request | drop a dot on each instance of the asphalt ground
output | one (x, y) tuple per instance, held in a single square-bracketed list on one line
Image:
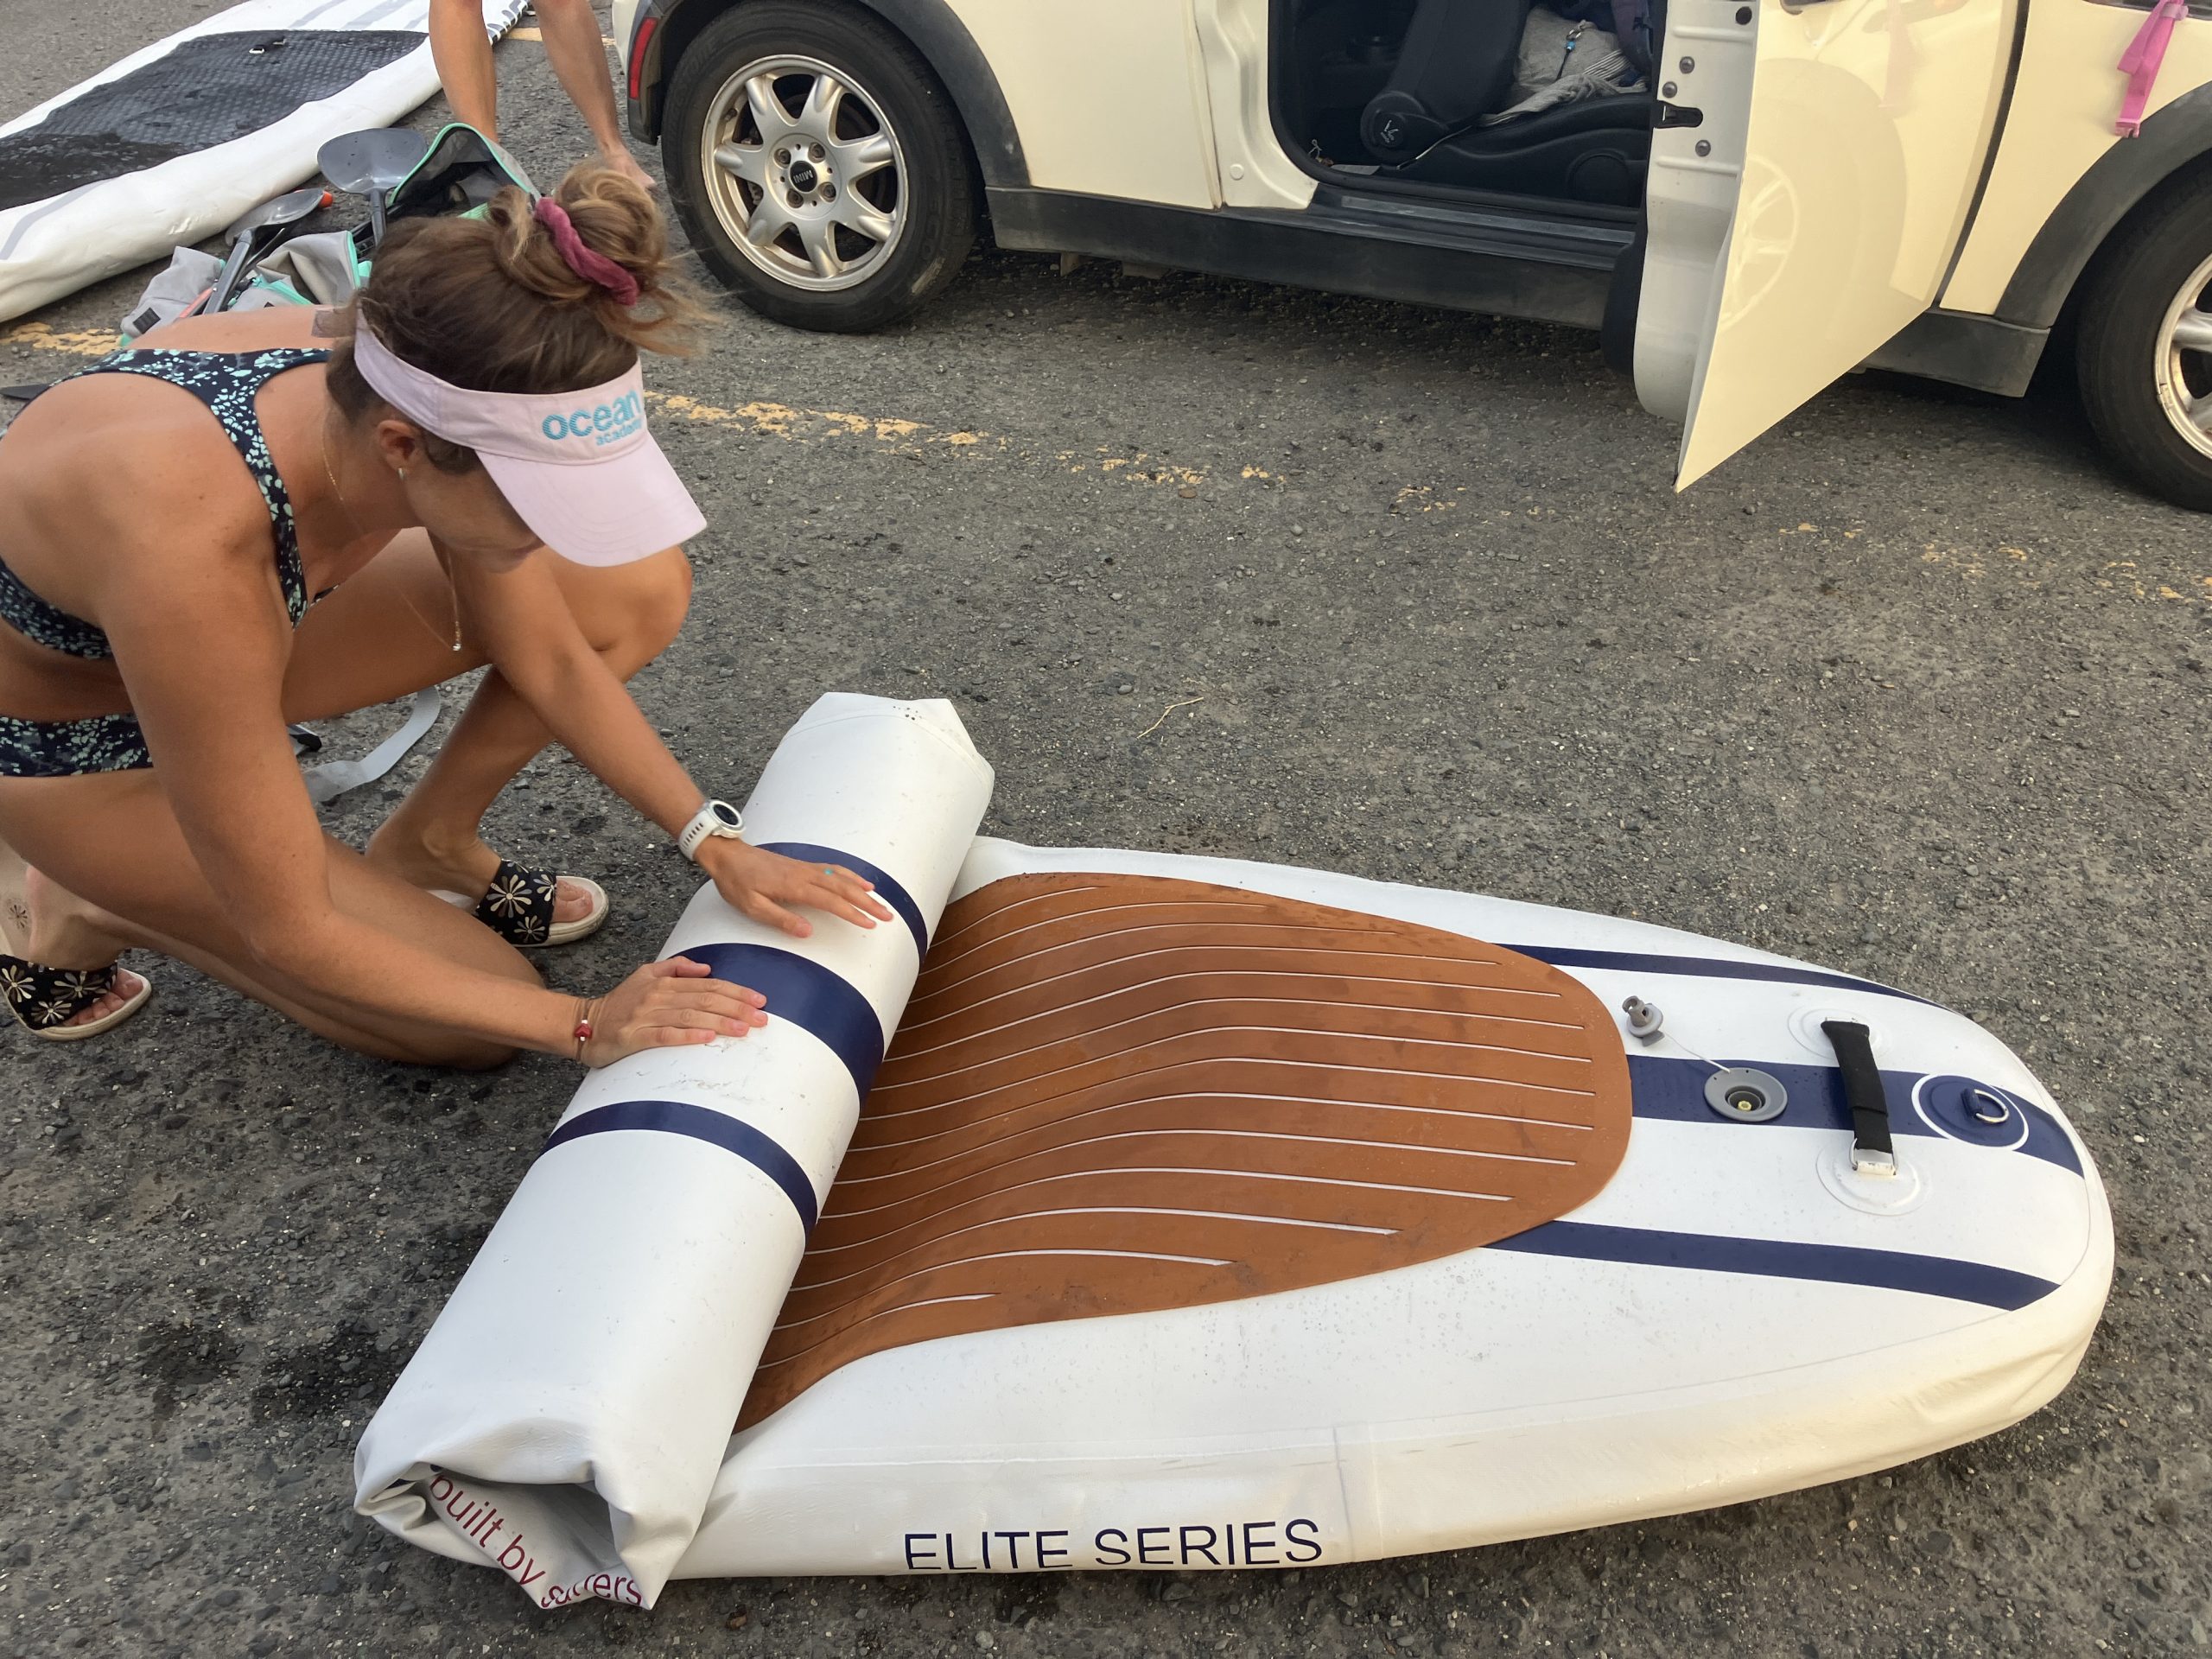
[(1914, 688)]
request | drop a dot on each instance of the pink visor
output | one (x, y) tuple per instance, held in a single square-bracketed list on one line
[(579, 466)]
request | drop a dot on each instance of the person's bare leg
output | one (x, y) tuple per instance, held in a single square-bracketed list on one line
[(109, 869), (632, 614), (578, 54), (57, 935), (379, 637), (94, 865), (433, 837), (363, 1034), (463, 51)]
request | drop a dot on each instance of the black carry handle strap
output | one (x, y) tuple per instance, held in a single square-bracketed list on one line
[(1871, 1151)]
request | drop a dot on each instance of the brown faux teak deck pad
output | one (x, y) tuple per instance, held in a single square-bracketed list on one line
[(1115, 1094)]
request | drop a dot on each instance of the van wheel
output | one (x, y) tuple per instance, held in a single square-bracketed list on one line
[(2143, 357), (818, 165)]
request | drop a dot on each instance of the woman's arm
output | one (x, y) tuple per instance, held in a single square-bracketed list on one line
[(202, 645), (522, 619)]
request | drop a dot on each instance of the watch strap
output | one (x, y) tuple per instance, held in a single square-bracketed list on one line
[(707, 822)]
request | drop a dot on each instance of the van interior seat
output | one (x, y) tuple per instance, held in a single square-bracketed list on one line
[(1456, 64)]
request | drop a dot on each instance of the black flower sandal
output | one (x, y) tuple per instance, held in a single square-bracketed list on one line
[(44, 999), (518, 907)]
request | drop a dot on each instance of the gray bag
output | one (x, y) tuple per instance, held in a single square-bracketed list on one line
[(188, 274), (319, 269), (1563, 62)]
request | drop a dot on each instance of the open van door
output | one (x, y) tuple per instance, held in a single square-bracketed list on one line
[(1813, 170)]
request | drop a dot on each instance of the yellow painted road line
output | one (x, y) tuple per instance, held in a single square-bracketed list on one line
[(538, 35), (762, 418), (917, 439), (89, 342), (772, 420)]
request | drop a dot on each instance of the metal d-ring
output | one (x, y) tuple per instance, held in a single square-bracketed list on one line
[(1988, 1106)]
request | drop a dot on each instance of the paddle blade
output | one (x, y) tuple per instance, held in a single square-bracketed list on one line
[(285, 210), (371, 162)]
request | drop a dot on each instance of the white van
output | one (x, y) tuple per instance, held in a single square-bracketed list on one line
[(1793, 188)]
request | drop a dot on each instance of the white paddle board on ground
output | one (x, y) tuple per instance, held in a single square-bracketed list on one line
[(175, 142), (1120, 1211)]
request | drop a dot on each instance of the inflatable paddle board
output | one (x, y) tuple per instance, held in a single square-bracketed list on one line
[(177, 140), (1115, 1209)]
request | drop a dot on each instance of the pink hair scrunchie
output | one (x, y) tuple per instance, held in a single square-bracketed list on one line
[(619, 284)]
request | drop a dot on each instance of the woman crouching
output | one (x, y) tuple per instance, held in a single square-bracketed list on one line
[(233, 528)]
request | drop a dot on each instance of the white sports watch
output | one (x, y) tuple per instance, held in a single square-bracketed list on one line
[(714, 820)]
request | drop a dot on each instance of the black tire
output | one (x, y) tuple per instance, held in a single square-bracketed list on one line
[(2117, 352), (935, 181)]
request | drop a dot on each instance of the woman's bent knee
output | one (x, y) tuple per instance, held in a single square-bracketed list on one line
[(664, 598), (478, 1057), (633, 613), (450, 1054)]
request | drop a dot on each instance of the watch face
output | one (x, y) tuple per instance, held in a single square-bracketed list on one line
[(725, 814)]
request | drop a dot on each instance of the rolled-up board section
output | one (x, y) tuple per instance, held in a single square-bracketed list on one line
[(565, 1417)]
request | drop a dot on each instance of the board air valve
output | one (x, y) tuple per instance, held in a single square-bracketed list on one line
[(1743, 1096)]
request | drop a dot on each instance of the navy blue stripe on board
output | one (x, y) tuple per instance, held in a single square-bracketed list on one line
[(674, 1117), (1774, 1258), (1636, 962), (808, 994), (887, 886), (1664, 1086)]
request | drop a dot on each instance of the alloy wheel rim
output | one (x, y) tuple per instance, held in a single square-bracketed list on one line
[(2184, 360), (805, 172)]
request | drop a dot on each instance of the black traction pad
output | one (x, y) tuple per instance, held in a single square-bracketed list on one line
[(210, 89)]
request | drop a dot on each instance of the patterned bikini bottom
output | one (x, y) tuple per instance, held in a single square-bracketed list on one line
[(71, 748)]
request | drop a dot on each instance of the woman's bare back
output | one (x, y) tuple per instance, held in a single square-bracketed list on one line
[(160, 493)]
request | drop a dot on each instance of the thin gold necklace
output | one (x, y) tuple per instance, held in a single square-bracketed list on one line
[(337, 490)]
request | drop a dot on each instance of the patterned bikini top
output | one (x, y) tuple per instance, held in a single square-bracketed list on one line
[(227, 382)]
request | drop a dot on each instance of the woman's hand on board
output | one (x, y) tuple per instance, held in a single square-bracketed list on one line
[(670, 1004), (766, 885)]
